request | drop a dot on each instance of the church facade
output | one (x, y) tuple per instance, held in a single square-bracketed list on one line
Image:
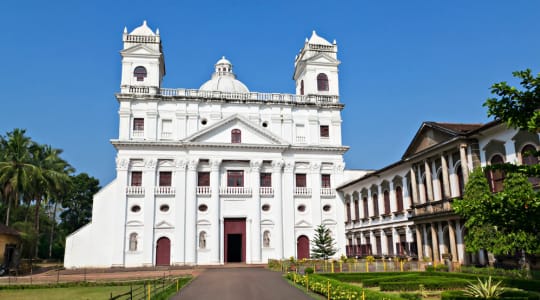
[(217, 174)]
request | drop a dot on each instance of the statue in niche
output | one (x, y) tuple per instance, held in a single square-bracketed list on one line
[(202, 240), (266, 239)]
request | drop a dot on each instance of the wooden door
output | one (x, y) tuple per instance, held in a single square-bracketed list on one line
[(302, 247), (163, 252)]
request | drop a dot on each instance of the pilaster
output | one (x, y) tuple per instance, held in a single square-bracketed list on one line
[(148, 182), (277, 166), (288, 211), (256, 209), (191, 212), (179, 182), (215, 210)]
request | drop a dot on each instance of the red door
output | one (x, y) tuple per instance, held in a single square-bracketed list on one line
[(163, 252), (302, 247), (235, 240)]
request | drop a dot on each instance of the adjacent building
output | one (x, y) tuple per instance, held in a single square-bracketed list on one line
[(405, 209)]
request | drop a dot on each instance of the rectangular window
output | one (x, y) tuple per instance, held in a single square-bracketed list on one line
[(266, 179), (301, 180), (366, 209), (325, 131), (165, 178), (356, 210), (203, 179), (235, 178), (136, 178), (138, 124), (325, 180), (300, 133)]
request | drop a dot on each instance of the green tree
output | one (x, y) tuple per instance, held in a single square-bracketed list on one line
[(503, 222), (78, 202), (323, 243), (518, 108), (16, 168)]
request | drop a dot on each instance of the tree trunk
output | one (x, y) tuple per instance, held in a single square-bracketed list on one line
[(8, 211), (36, 224), (51, 236)]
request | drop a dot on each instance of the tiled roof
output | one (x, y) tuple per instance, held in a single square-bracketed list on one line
[(7, 230), (459, 127)]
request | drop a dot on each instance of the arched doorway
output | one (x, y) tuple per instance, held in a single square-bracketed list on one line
[(163, 252), (302, 247)]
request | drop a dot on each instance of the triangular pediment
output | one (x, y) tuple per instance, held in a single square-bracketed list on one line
[(303, 223), (428, 136), (139, 49), (323, 58), (220, 133), (164, 224)]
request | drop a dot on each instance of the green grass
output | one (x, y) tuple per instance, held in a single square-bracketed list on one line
[(68, 293)]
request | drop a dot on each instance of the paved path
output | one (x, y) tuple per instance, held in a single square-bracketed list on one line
[(240, 284)]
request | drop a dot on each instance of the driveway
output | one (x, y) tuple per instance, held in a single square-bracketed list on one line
[(240, 283)]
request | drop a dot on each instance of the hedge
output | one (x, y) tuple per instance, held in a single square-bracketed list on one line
[(508, 295), (338, 290), (429, 284)]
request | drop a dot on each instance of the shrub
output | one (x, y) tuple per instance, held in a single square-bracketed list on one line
[(484, 289), (308, 270), (428, 283), (411, 296)]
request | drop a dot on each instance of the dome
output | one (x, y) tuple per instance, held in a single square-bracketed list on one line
[(143, 30), (317, 40), (224, 80)]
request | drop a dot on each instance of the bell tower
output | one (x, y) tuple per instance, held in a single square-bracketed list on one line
[(143, 64), (316, 68)]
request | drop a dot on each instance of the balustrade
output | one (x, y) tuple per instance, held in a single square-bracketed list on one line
[(302, 191), (135, 190), (164, 190), (235, 191), (204, 190), (266, 191), (328, 192)]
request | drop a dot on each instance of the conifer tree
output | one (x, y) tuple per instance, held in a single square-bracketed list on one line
[(323, 243)]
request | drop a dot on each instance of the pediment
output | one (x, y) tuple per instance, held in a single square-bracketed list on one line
[(303, 223), (134, 223), (323, 58), (164, 224), (267, 222), (220, 133), (426, 137), (203, 222), (329, 222), (139, 49)]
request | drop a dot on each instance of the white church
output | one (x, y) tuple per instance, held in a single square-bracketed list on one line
[(218, 174)]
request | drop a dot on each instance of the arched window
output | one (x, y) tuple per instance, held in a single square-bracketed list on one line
[(301, 87), (399, 199), (236, 136), (202, 240), (133, 242), (441, 184), (386, 196), (366, 208), (461, 180), (375, 205), (496, 177), (322, 82), (348, 210), (528, 158), (140, 73), (266, 239)]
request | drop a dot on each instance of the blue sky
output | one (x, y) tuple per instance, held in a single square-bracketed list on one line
[(403, 62)]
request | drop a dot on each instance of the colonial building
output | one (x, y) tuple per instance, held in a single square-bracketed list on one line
[(217, 174), (406, 207)]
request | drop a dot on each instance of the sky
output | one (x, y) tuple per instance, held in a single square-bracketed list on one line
[(402, 63)]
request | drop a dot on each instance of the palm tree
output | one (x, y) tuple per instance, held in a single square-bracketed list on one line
[(16, 167), (51, 178)]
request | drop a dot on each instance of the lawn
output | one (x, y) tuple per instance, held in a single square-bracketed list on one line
[(71, 293)]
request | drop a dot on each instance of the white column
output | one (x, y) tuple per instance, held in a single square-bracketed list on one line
[(124, 127), (446, 182), (453, 246), (316, 212), (454, 184), (437, 193), (179, 183), (429, 181), (371, 210), (384, 243), (150, 124), (120, 236), (464, 163), (288, 211), (191, 213), (460, 243), (421, 187), (427, 246), (214, 212), (373, 242), (434, 244), (148, 182), (277, 166), (442, 246), (414, 187), (256, 208), (392, 192), (395, 240), (407, 201), (420, 241)]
